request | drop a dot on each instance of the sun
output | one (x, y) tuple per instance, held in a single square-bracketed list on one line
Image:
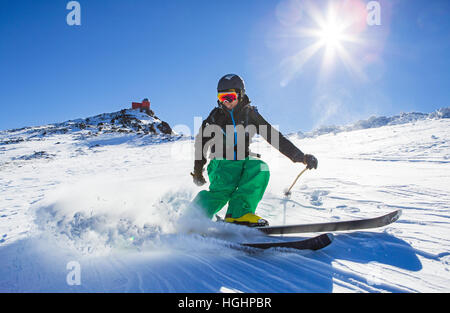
[(331, 33)]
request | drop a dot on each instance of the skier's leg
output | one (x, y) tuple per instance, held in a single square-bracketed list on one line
[(224, 177), (253, 183)]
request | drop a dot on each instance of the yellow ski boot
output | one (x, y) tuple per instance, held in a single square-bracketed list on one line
[(249, 219)]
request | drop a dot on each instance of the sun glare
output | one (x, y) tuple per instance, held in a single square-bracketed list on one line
[(330, 36), (332, 33)]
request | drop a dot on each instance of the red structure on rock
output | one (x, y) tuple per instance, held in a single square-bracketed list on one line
[(145, 104)]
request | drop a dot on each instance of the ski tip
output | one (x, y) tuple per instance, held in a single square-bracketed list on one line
[(396, 216)]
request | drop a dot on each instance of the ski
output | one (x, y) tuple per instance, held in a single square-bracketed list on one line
[(333, 226), (315, 243)]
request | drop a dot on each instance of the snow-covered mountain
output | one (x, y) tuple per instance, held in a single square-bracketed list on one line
[(126, 121), (110, 194), (378, 121), (104, 129)]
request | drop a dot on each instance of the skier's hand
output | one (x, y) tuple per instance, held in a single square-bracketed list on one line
[(198, 178), (310, 161)]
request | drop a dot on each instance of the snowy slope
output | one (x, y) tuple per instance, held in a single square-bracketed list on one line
[(115, 203)]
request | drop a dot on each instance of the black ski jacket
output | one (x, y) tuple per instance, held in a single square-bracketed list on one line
[(229, 133)]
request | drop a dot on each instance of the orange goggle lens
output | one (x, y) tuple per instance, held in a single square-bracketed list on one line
[(227, 96)]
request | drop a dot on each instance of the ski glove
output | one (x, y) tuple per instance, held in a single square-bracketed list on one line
[(198, 178), (310, 161)]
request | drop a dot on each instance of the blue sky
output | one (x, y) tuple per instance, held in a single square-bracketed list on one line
[(174, 52)]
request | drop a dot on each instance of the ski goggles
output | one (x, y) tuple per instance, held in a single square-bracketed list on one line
[(229, 96)]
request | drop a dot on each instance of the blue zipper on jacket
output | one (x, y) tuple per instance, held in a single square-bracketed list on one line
[(235, 133)]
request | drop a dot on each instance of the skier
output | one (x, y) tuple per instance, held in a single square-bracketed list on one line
[(237, 176)]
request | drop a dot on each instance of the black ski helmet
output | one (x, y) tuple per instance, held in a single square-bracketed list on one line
[(231, 81)]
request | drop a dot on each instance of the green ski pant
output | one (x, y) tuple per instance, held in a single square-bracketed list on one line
[(240, 183)]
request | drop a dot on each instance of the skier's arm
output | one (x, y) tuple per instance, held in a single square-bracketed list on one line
[(200, 159), (200, 145), (270, 134)]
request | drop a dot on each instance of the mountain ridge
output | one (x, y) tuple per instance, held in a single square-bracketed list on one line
[(375, 122), (124, 121)]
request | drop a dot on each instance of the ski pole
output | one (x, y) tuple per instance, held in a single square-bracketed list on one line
[(288, 192)]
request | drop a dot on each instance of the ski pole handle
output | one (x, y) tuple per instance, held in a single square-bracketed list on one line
[(287, 193)]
